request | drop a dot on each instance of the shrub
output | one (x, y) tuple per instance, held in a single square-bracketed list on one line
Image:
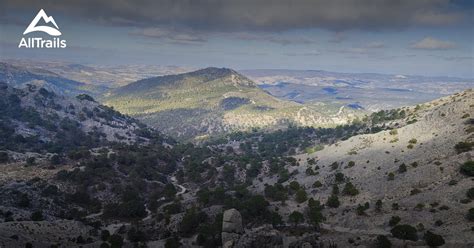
[(470, 214), (4, 157), (402, 168), (383, 242), (405, 232), (390, 176), (301, 196), (116, 240), (350, 189), (333, 201), (433, 240), (37, 216), (393, 132), (412, 141), (296, 217), (468, 168), (294, 186), (317, 184), (351, 164), (339, 177), (463, 147), (470, 193), (378, 205), (394, 220)]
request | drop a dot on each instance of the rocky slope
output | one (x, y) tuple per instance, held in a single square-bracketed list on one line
[(20, 76), (413, 169), (214, 101)]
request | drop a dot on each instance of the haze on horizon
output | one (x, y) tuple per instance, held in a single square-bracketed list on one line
[(416, 37)]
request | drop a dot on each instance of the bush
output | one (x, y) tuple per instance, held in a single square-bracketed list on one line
[(463, 147), (301, 196), (412, 141), (296, 217), (470, 193), (339, 177), (383, 242), (433, 240), (405, 232), (350, 189), (390, 176), (468, 168), (317, 184), (4, 157), (333, 201), (37, 216), (116, 240), (402, 168), (470, 214), (394, 220)]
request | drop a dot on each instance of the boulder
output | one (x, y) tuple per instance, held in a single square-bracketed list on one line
[(232, 221)]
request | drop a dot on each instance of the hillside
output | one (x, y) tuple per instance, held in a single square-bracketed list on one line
[(215, 101), (35, 119), (20, 76), (76, 173), (413, 169)]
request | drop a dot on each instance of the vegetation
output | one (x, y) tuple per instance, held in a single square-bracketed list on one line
[(405, 232), (468, 168), (433, 240)]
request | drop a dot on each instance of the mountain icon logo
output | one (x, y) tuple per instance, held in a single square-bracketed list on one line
[(47, 29)]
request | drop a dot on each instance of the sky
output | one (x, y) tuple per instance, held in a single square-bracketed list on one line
[(416, 37)]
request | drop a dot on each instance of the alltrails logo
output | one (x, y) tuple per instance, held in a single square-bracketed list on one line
[(39, 42)]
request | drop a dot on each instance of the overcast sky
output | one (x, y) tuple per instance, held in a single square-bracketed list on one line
[(423, 37)]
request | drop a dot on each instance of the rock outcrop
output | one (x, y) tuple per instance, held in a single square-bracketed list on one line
[(231, 227)]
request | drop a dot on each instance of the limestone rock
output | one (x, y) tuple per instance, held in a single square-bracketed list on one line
[(232, 221)]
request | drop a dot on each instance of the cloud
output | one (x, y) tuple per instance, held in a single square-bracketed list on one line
[(338, 37), (269, 15), (170, 35), (375, 45), (290, 40), (310, 54), (430, 43)]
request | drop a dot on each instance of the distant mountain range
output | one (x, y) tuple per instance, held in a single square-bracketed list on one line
[(372, 91)]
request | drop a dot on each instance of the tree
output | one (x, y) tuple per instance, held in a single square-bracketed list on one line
[(470, 193), (301, 196), (4, 157), (394, 220), (339, 177), (315, 215), (378, 205), (405, 232), (116, 241), (383, 242), (172, 242), (296, 217), (333, 201), (468, 168), (294, 185), (470, 214), (37, 216), (433, 240), (402, 168), (350, 189)]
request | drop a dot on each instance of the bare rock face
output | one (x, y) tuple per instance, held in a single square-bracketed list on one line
[(232, 221), (231, 227)]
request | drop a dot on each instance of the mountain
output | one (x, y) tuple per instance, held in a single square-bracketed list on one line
[(34, 119), (214, 101), (371, 91), (76, 173), (19, 76)]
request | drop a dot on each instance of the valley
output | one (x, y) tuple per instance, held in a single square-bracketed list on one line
[(262, 170)]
